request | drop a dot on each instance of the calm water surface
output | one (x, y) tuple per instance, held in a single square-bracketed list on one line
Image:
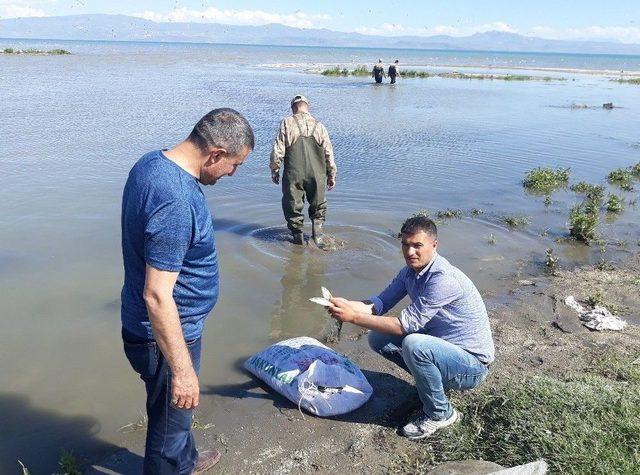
[(71, 127)]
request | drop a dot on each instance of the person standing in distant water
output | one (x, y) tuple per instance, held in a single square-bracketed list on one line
[(394, 71), (378, 72), (304, 147)]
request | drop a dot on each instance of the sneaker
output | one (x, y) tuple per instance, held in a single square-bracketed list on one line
[(206, 460), (422, 426)]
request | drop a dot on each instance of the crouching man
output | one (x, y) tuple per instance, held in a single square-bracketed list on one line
[(442, 338)]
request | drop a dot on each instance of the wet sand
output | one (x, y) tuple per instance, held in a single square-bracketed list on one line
[(261, 432)]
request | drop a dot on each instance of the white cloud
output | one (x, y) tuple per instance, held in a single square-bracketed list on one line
[(15, 10), (394, 29), (296, 19), (624, 34)]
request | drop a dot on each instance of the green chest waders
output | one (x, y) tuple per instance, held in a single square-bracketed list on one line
[(304, 175)]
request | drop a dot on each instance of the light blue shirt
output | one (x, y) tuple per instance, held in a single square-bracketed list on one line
[(444, 304)]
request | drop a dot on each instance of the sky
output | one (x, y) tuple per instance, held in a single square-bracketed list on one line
[(614, 20)]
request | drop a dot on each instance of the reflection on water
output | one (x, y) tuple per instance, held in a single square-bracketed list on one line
[(70, 137), (302, 276)]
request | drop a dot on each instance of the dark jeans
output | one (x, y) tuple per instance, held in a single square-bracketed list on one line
[(170, 447)]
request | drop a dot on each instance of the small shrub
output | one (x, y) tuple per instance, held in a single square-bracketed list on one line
[(614, 204), (546, 180)]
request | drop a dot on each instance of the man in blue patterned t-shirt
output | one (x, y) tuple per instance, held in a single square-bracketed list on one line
[(442, 338), (171, 280)]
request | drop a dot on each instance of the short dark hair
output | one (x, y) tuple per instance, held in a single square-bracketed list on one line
[(415, 224), (225, 128)]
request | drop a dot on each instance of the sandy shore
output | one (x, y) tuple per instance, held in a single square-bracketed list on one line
[(535, 334)]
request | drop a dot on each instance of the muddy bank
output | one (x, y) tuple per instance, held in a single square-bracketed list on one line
[(535, 334)]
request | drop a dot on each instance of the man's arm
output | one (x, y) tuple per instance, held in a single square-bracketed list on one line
[(325, 142), (277, 153), (352, 312), (167, 331)]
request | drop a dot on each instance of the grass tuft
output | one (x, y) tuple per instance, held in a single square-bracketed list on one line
[(586, 423)]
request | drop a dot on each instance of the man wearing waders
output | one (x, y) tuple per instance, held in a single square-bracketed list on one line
[(378, 72), (303, 145), (393, 71)]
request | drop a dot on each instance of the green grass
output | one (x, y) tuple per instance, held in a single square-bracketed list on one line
[(361, 71), (582, 423), (635, 81), (335, 71), (614, 204), (546, 180)]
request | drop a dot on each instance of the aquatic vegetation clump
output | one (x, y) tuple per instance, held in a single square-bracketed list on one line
[(620, 176), (583, 221), (614, 204), (546, 180), (59, 51), (477, 211), (54, 52), (361, 71), (424, 213), (635, 170), (635, 81), (587, 188), (8, 50), (335, 71), (449, 213), (515, 221), (548, 201)]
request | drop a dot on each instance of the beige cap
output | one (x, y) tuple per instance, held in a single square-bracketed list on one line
[(299, 98)]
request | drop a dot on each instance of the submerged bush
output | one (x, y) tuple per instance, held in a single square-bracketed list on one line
[(546, 180)]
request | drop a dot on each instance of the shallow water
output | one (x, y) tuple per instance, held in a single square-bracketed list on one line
[(71, 127)]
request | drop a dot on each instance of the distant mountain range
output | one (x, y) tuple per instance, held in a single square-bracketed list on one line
[(127, 28)]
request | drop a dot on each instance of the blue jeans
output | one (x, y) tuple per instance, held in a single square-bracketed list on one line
[(435, 364), (170, 447)]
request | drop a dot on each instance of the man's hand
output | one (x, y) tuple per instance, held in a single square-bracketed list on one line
[(331, 183), (275, 176), (343, 309), (185, 389)]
